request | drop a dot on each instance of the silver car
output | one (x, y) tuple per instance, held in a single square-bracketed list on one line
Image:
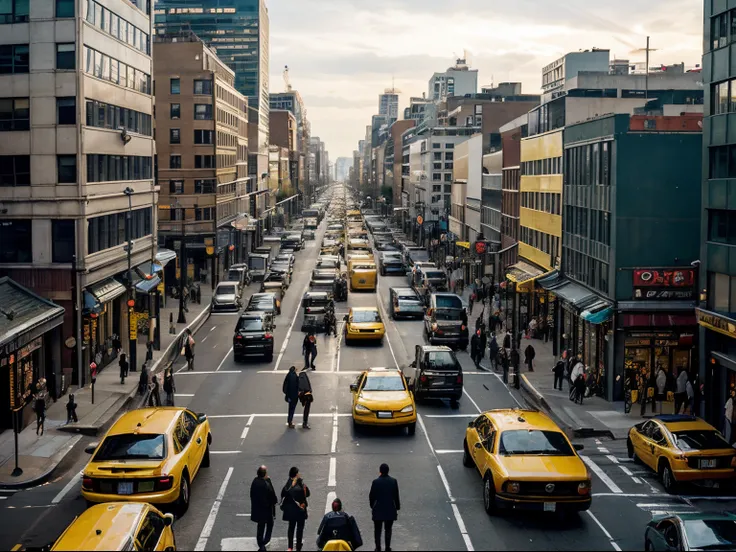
[(226, 297)]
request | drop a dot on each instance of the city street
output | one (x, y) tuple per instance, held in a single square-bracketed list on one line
[(442, 505)]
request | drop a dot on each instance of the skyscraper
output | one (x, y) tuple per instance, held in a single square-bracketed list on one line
[(388, 103)]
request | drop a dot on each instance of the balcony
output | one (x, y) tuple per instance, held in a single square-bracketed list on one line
[(492, 182)]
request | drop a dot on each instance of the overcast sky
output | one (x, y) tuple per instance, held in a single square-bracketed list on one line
[(343, 53)]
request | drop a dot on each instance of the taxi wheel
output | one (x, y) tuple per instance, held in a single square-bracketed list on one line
[(668, 479), (206, 457), (411, 428), (489, 495), (630, 449), (269, 357), (182, 503), (467, 459)]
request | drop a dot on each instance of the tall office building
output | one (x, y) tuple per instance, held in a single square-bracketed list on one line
[(238, 32), (388, 104)]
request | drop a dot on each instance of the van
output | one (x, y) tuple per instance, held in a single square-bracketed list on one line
[(258, 264)]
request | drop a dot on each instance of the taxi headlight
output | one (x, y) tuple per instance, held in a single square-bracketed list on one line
[(407, 409), (361, 408), (584, 488), (513, 487)]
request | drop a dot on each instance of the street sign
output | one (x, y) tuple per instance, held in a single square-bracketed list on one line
[(210, 250), (133, 324), (420, 220), (464, 245)]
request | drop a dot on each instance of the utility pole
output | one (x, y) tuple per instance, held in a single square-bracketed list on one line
[(132, 322)]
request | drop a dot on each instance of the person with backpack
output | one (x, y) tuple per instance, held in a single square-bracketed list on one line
[(338, 525), (294, 504)]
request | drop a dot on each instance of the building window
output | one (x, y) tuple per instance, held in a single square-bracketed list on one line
[(62, 241), (437, 177), (438, 156), (204, 162), (721, 291), (13, 59), (64, 8), (175, 111), (722, 226), (15, 170), (203, 112), (206, 186), (13, 11), (720, 30), (112, 168), (16, 244), (66, 56), (67, 168), (448, 166), (204, 137), (66, 111), (448, 177), (449, 156), (436, 145), (15, 114), (109, 230), (174, 136), (102, 115), (203, 87), (104, 67), (175, 162), (175, 86), (176, 186)]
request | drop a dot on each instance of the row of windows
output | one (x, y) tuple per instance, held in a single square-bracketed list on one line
[(14, 59), (201, 186), (723, 29), (16, 241), (588, 165), (201, 86), (116, 26), (104, 115), (438, 167), (15, 113), (223, 161), (449, 156), (201, 137), (724, 97), (551, 165), (15, 170), (542, 201), (438, 145), (722, 226), (200, 213), (588, 223), (109, 230), (104, 67), (111, 168), (585, 269), (541, 240), (226, 139), (437, 177), (231, 99)]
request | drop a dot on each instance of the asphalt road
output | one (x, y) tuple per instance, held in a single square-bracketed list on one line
[(442, 506)]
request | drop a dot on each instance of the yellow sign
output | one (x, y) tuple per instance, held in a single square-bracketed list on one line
[(160, 287), (717, 323), (133, 321), (210, 250), (464, 245)]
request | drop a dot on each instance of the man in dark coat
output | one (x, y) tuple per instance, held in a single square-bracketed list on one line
[(493, 352), (338, 525), (385, 504), (291, 394), (475, 351), (504, 359), (529, 354), (507, 340), (309, 348), (305, 396), (559, 372), (263, 502)]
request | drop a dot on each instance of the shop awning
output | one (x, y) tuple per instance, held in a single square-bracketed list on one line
[(164, 256), (598, 312), (524, 275), (106, 290), (90, 304), (148, 270), (574, 294), (551, 280), (148, 285), (22, 312)]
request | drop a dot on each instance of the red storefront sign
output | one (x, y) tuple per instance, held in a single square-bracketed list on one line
[(677, 277)]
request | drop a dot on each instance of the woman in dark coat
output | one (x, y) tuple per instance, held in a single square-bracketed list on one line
[(123, 362), (529, 354), (294, 505)]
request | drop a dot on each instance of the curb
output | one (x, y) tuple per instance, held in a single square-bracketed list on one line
[(42, 478)]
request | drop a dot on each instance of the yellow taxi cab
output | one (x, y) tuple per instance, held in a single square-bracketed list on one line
[(381, 397), (363, 275), (364, 323), (682, 448), (526, 462), (149, 455), (359, 256), (119, 526)]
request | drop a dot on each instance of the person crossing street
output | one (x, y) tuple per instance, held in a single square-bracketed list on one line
[(263, 502)]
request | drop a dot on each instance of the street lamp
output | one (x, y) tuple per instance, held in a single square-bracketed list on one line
[(132, 323), (182, 319)]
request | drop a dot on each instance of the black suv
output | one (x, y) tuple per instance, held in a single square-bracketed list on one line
[(446, 321), (264, 302), (253, 336)]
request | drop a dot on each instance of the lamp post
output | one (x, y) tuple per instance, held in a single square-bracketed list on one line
[(132, 322), (182, 319)]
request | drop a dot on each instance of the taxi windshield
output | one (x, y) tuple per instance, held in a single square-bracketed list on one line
[(532, 442), (366, 316), (383, 383), (364, 267), (714, 534), (132, 447), (699, 440)]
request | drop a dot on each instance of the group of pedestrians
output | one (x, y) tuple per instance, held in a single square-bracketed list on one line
[(298, 388), (338, 528)]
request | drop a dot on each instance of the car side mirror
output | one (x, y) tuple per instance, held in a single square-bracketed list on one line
[(168, 520), (478, 445), (578, 447), (201, 417), (353, 387), (471, 424), (91, 448), (345, 318)]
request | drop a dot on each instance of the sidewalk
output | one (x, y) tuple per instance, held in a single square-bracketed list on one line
[(596, 416), (38, 456)]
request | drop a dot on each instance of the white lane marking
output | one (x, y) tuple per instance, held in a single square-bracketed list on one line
[(597, 441), (332, 495), (225, 358), (205, 338), (385, 317), (499, 378), (603, 450), (286, 339), (605, 531), (626, 495), (225, 452), (210, 523), (339, 349), (648, 506), (343, 373), (461, 525), (445, 483), (280, 415), (212, 328), (247, 427), (426, 434), (447, 451), (183, 366), (636, 480), (242, 515), (183, 394), (465, 392), (332, 477), (613, 459), (333, 446), (625, 470), (608, 482), (68, 487), (202, 373), (214, 346)]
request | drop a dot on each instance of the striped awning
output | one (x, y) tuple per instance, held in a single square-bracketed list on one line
[(523, 275)]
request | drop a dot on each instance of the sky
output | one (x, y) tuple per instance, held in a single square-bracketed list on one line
[(343, 53)]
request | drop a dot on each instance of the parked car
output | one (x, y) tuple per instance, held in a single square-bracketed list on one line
[(226, 297), (293, 241), (390, 262), (253, 336)]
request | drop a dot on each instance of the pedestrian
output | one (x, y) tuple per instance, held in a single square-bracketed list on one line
[(728, 411), (291, 394), (681, 390), (385, 505), (305, 396), (690, 398), (507, 340), (39, 407), (650, 386), (169, 387), (475, 348), (155, 398), (493, 352), (533, 327), (116, 345), (471, 300), (529, 354), (338, 525), (578, 382), (309, 350), (505, 365), (661, 385), (189, 348), (294, 504), (559, 371), (263, 502), (185, 294), (71, 410), (483, 343), (123, 362), (143, 380)]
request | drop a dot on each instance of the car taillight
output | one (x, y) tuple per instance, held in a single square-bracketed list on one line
[(268, 336), (439, 331), (462, 327), (584, 488), (238, 337), (87, 483), (164, 482), (459, 378), (309, 310), (423, 379)]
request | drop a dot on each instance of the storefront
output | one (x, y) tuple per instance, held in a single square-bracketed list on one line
[(30, 351), (102, 320), (718, 333)]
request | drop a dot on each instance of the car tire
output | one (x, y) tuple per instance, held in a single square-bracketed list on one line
[(269, 357), (468, 461), (668, 478), (454, 404), (630, 449), (206, 457), (648, 546), (489, 495), (411, 429), (182, 502)]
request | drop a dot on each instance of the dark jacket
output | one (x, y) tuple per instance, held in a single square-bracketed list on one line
[(305, 388), (507, 341), (475, 344), (529, 353), (514, 358), (559, 368), (123, 367), (291, 386), (483, 340), (263, 500), (292, 498), (308, 345), (168, 384), (384, 498), (339, 526), (493, 347)]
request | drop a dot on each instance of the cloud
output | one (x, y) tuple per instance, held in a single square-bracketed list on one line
[(343, 53)]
